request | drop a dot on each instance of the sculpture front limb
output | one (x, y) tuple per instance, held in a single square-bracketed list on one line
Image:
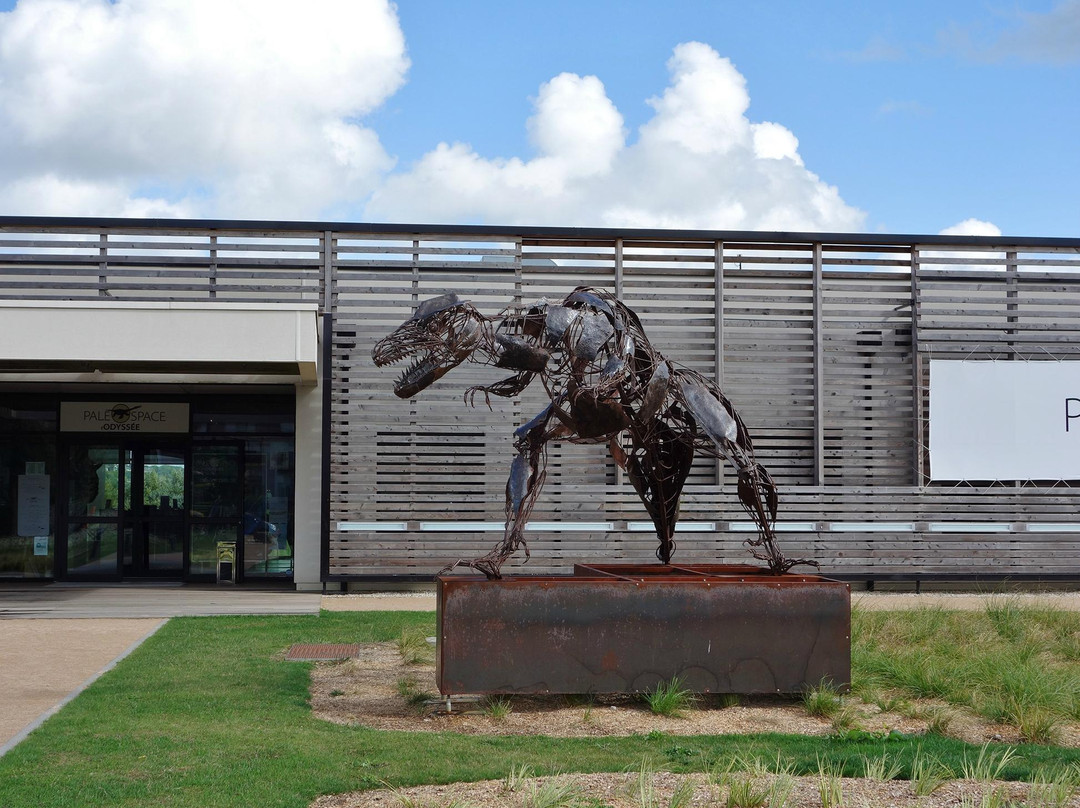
[(527, 475)]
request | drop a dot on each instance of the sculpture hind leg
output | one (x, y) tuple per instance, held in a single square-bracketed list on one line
[(728, 437)]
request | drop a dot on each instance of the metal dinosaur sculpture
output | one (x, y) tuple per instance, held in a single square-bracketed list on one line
[(605, 381)]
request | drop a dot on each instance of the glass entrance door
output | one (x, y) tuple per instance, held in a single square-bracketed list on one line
[(94, 485), (155, 502)]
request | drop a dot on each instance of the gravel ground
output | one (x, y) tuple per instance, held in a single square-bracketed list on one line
[(366, 691), (623, 791)]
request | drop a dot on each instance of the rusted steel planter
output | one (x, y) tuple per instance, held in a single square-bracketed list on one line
[(612, 628)]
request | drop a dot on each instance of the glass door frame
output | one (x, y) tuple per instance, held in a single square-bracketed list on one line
[(65, 518), (122, 519), (137, 519)]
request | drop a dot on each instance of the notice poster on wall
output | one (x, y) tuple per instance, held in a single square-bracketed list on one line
[(1004, 420), (33, 518)]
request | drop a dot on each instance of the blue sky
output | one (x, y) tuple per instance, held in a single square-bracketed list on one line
[(905, 118)]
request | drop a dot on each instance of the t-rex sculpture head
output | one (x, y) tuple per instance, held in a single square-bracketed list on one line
[(441, 334)]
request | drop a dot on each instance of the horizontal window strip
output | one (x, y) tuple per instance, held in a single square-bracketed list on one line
[(472, 527), (712, 527), (970, 527)]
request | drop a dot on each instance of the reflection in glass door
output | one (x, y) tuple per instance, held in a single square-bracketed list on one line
[(94, 482), (154, 505)]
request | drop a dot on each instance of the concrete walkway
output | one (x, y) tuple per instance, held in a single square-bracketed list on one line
[(965, 602), (44, 665), (879, 601), (72, 600)]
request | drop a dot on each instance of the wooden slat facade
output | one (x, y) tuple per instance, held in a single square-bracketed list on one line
[(822, 341)]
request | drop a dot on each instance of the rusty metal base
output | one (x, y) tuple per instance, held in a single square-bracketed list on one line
[(612, 628)]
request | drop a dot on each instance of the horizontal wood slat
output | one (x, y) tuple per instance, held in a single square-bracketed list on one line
[(830, 376)]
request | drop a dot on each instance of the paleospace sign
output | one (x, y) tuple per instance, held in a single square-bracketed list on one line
[(1004, 420), (123, 417)]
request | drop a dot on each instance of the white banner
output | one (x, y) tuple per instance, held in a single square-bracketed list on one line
[(1004, 420)]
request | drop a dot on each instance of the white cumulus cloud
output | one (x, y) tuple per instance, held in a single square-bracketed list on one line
[(966, 259), (971, 227), (576, 125), (698, 162), (256, 109), (239, 108)]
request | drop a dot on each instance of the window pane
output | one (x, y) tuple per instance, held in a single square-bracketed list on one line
[(91, 548), (268, 485), (23, 414), (27, 500), (238, 423), (93, 480), (163, 482), (204, 541), (215, 481), (165, 547)]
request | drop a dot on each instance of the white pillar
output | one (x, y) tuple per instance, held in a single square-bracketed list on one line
[(307, 544)]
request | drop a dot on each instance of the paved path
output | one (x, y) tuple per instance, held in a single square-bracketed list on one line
[(66, 600), (895, 601), (381, 602), (880, 601), (45, 664)]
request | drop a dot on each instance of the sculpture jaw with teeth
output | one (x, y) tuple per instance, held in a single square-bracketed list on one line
[(442, 333), (606, 384)]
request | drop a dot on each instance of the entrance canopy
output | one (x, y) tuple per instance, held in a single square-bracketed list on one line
[(181, 342)]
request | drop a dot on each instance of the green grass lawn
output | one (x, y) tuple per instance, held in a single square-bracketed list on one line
[(206, 713), (1006, 664)]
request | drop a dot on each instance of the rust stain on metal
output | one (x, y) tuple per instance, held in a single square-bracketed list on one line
[(625, 628)]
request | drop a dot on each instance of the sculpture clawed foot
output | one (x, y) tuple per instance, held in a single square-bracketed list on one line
[(777, 562), (489, 569)]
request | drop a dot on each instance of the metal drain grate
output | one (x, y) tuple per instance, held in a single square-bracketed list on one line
[(307, 652)]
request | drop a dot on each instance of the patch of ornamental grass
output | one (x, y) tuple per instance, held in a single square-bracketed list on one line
[(1054, 789), (406, 801), (1011, 663), (928, 774), (670, 699), (830, 785), (409, 689), (553, 793), (822, 701), (498, 709), (988, 765), (744, 791), (517, 777), (414, 648), (881, 769), (642, 790)]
